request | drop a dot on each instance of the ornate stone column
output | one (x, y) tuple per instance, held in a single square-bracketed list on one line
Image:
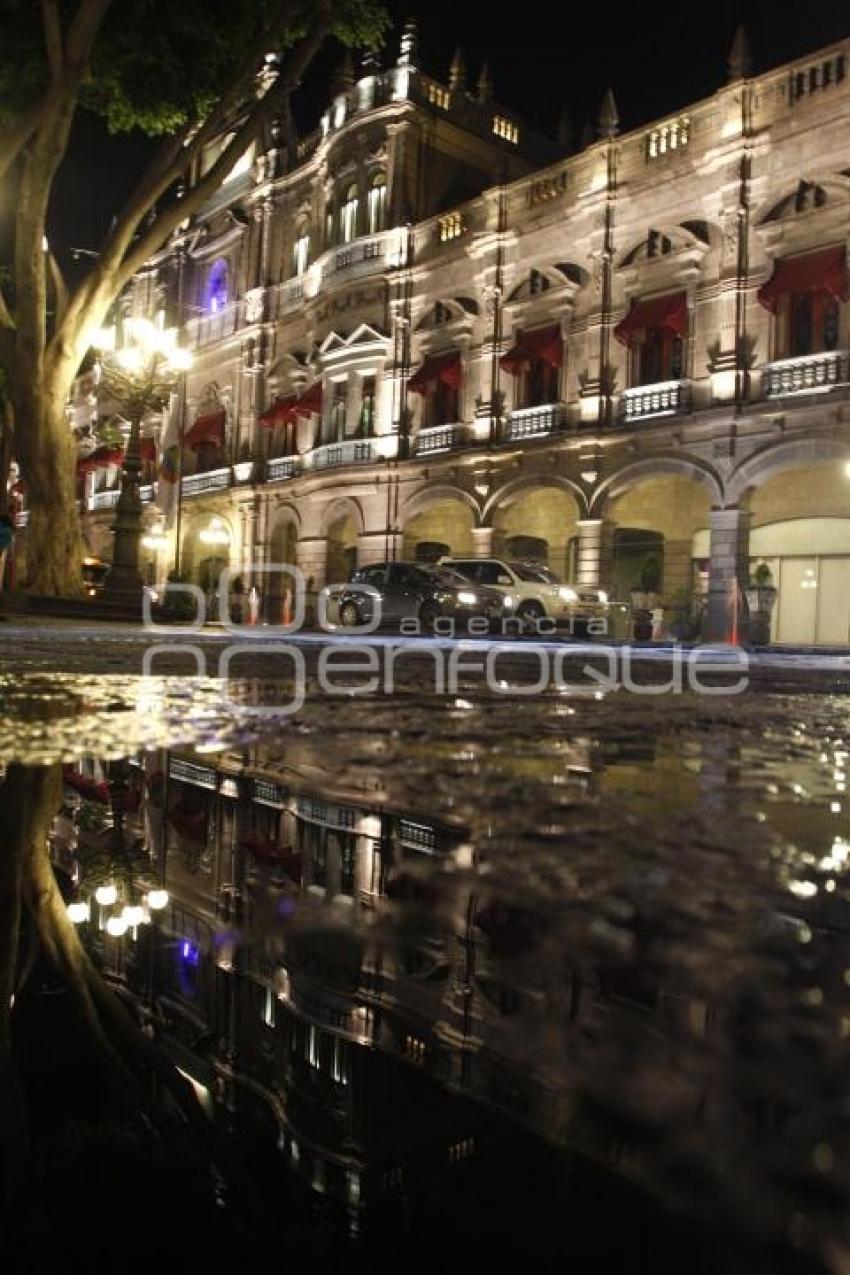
[(482, 538), (729, 549), (594, 539)]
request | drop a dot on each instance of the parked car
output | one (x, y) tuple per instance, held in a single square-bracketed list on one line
[(533, 593), (415, 591)]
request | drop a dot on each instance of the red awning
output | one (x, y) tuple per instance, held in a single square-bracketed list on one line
[(281, 412), (310, 401), (99, 459), (208, 428), (90, 789), (821, 271), (669, 313), (539, 343), (439, 367), (147, 448)]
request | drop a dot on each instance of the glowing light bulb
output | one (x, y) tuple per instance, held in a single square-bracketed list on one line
[(116, 926), (106, 895), (78, 913), (157, 900)]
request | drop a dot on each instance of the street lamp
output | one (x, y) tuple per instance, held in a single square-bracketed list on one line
[(139, 377)]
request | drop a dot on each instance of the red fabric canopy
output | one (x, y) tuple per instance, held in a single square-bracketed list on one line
[(439, 367), (90, 789), (208, 428), (669, 312), (821, 271), (310, 400), (147, 448), (99, 459), (281, 412), (539, 343)]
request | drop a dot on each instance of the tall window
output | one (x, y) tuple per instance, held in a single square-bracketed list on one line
[(808, 323), (377, 203), (442, 404), (539, 383), (338, 412), (366, 423), (657, 357), (216, 295), (329, 225), (301, 251), (348, 216)]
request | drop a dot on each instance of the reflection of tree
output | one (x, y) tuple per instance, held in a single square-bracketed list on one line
[(127, 1060)]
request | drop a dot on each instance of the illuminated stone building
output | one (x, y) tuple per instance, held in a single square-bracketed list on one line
[(422, 329)]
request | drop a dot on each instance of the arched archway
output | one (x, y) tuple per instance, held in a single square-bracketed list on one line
[(654, 518), (207, 551), (341, 557), (537, 521), (283, 544), (438, 523)]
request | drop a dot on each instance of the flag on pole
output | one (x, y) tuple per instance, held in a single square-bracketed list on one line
[(168, 470)]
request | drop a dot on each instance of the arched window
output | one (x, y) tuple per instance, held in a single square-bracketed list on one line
[(216, 295), (377, 203), (301, 249), (348, 216)]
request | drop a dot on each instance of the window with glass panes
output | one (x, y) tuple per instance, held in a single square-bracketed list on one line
[(366, 423)]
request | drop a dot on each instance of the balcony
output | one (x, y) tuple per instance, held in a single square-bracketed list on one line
[(811, 374), (290, 295), (534, 422), (214, 327), (280, 467), (104, 499), (212, 480), (438, 438), (331, 455), (664, 398)]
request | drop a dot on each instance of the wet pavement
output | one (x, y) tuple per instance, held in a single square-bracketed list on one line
[(614, 921)]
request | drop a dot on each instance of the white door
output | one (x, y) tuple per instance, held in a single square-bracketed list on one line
[(833, 593), (796, 619)]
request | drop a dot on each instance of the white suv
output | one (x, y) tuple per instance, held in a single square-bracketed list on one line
[(532, 591)]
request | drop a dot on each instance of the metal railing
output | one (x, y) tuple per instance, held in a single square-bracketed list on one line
[(279, 467), (330, 455), (437, 438)]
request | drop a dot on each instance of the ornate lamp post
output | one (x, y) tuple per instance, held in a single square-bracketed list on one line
[(138, 378)]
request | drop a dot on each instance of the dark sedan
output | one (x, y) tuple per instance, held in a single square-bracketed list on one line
[(415, 592)]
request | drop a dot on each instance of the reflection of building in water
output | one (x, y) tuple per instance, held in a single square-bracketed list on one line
[(325, 958)]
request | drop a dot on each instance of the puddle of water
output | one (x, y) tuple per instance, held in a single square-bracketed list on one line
[(616, 928)]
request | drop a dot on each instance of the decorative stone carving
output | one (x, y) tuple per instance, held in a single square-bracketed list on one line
[(255, 305)]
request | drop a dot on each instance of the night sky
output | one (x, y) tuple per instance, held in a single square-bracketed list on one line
[(656, 57)]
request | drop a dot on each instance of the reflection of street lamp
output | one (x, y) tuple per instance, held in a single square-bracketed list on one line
[(139, 378)]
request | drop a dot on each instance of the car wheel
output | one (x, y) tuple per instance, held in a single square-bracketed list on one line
[(530, 614), (348, 615), (429, 614)]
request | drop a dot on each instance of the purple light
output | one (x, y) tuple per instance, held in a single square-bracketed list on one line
[(190, 953)]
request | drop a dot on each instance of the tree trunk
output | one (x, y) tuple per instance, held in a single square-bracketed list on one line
[(47, 456)]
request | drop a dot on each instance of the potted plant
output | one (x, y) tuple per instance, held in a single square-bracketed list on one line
[(684, 624), (761, 598), (645, 596)]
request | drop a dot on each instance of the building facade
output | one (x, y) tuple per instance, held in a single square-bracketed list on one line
[(423, 330)]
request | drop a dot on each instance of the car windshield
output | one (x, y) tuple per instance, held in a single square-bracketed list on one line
[(445, 576), (535, 574)]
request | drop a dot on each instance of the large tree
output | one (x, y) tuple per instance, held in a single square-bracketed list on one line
[(185, 72)]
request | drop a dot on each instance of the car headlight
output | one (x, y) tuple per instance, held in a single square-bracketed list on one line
[(467, 599), (567, 595), (508, 602)]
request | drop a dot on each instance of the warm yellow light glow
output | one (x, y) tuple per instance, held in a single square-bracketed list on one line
[(106, 895), (131, 358), (133, 914), (78, 913), (180, 359), (157, 900), (103, 338), (116, 926), (216, 533)]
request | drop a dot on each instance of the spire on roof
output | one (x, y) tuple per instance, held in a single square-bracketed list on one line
[(740, 63), (408, 48), (485, 84), (609, 120), (457, 71)]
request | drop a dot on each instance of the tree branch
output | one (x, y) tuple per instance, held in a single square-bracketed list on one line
[(18, 134), (120, 258), (52, 29)]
